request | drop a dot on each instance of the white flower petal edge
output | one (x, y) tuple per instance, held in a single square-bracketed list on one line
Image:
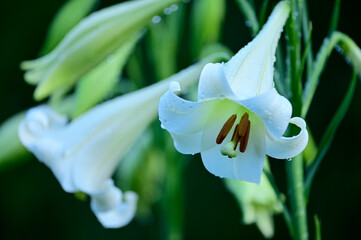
[(288, 147), (109, 212), (250, 71)]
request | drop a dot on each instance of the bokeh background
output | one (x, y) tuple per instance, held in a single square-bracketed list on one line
[(33, 205)]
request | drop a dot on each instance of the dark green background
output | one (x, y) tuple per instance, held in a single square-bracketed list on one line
[(33, 205)]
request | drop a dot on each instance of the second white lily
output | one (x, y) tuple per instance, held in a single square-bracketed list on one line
[(84, 153)]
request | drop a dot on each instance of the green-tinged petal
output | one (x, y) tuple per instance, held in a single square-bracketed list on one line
[(66, 18), (250, 71), (97, 83), (258, 203), (246, 166), (288, 147), (264, 222), (90, 42)]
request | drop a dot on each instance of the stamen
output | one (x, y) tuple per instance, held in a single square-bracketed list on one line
[(243, 125), (225, 129), (244, 140)]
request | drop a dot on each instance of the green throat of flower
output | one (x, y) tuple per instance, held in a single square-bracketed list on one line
[(240, 135)]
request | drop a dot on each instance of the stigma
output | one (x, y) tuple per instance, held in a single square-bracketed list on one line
[(240, 135)]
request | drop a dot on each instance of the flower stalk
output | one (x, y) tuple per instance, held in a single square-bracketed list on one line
[(294, 168)]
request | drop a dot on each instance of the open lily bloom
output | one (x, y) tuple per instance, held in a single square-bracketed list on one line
[(84, 153), (239, 116)]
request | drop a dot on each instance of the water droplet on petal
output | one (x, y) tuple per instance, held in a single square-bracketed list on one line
[(156, 19), (167, 11)]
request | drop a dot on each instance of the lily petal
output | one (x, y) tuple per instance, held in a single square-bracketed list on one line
[(288, 147), (111, 210), (273, 109), (213, 83), (250, 71), (246, 166)]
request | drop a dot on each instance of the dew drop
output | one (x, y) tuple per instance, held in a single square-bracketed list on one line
[(110, 59), (174, 7), (156, 19), (289, 159), (248, 24), (168, 11)]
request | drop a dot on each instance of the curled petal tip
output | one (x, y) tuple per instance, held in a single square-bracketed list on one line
[(174, 86)]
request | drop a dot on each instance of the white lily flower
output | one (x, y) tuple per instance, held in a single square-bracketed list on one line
[(239, 93), (84, 153)]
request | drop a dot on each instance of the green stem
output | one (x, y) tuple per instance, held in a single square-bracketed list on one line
[(294, 168)]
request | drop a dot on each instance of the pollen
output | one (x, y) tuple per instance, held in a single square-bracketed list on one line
[(226, 128)]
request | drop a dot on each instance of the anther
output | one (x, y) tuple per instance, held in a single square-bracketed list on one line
[(226, 128), (243, 124), (244, 139)]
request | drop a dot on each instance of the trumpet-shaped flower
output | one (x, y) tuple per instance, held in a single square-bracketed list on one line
[(84, 153), (88, 43), (239, 116)]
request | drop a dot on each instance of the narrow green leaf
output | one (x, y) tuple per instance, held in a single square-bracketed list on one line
[(262, 15), (166, 33), (305, 24), (346, 46), (317, 228), (305, 51), (335, 16), (249, 14), (66, 18), (207, 18), (329, 134)]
